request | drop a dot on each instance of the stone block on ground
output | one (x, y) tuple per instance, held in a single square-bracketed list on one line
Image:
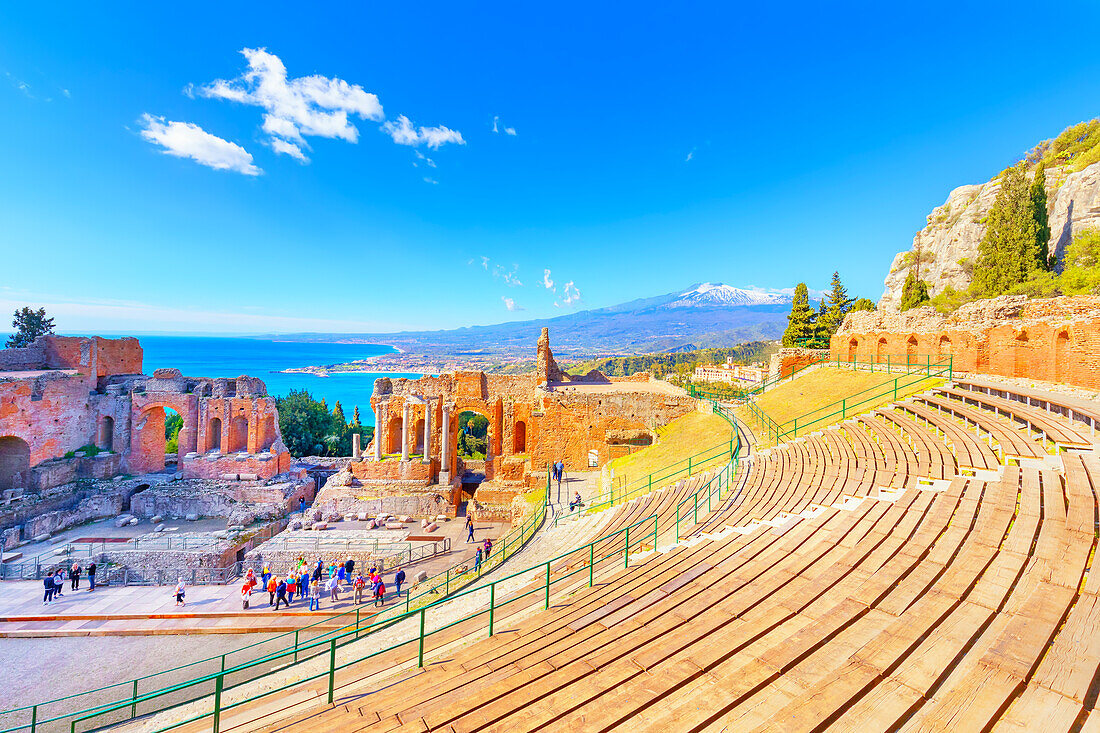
[(361, 516), (192, 517), (423, 524), (332, 517), (296, 524), (59, 551), (228, 477), (431, 527), (394, 525), (317, 515), (159, 528), (320, 525), (157, 519), (442, 518), (248, 476), (422, 576), (134, 520), (40, 537), (122, 520), (406, 519)]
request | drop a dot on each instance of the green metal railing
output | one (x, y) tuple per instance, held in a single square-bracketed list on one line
[(853, 404), (131, 701)]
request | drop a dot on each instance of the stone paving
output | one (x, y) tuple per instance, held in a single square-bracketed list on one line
[(139, 610)]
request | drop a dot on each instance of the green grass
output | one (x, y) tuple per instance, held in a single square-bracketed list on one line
[(813, 398), (682, 437)]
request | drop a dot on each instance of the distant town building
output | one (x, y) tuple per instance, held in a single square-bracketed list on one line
[(729, 373)]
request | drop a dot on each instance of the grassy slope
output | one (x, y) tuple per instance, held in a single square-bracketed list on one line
[(809, 396), (683, 437)]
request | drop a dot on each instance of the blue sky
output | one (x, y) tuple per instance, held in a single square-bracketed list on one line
[(655, 145)]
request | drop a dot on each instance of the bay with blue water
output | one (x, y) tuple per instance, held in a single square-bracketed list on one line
[(198, 356)]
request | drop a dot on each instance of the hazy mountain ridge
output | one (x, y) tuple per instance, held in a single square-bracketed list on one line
[(703, 315)]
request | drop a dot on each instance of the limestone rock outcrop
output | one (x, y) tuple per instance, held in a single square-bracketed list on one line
[(949, 242)]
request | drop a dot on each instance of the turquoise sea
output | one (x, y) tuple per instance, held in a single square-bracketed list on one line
[(231, 357)]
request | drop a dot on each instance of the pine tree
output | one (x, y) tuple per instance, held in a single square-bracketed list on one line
[(1009, 248), (355, 418), (800, 323), (29, 325), (914, 293), (1039, 214), (862, 304), (338, 414), (836, 305)]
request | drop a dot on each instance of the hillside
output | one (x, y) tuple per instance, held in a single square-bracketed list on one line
[(701, 316), (948, 244)]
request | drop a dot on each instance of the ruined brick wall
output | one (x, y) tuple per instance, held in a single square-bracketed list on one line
[(785, 361), (51, 413), (1052, 339)]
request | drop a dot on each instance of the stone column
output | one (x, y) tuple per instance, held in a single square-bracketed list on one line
[(405, 431), (356, 450), (379, 435), (427, 432), (445, 446)]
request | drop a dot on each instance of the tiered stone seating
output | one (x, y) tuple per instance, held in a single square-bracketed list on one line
[(856, 578)]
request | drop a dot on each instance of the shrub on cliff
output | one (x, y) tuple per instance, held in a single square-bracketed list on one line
[(1082, 264), (914, 293)]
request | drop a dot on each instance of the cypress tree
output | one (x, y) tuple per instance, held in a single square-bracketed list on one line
[(835, 305), (800, 323), (1039, 214), (1009, 248), (338, 414), (355, 418)]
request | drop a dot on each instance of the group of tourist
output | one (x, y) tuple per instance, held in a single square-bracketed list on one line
[(313, 584), (54, 581)]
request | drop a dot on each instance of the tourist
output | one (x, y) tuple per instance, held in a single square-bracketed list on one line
[(58, 584), (301, 504), (559, 469), (91, 577), (469, 529), (333, 588), (379, 593), (576, 501), (180, 591), (265, 575), (488, 547), (74, 576), (246, 594), (280, 595), (342, 574), (398, 579), (47, 584), (303, 582), (290, 587), (315, 595), (250, 578), (318, 570), (271, 586), (359, 585), (477, 561), (349, 568)]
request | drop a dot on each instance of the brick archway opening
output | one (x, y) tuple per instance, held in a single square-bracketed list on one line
[(853, 345), (1061, 352), (15, 462), (1021, 366), (880, 350), (393, 435), (105, 433), (519, 437), (238, 434), (214, 436)]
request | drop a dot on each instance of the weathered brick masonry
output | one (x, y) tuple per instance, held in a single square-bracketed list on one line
[(1050, 339), (63, 393)]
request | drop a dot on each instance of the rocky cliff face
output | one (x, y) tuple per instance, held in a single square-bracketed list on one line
[(948, 245)]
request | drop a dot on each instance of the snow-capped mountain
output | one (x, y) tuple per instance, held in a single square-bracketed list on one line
[(717, 294)]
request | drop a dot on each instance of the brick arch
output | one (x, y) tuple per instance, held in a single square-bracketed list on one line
[(147, 441), (238, 434), (1062, 342), (15, 462), (943, 346), (881, 349), (214, 435), (911, 348), (1021, 355), (481, 408), (853, 347)]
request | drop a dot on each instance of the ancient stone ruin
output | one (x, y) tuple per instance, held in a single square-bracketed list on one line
[(1051, 339)]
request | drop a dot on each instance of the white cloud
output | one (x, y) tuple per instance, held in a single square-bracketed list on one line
[(690, 155), (67, 93), (570, 294), (484, 262), (546, 280), (498, 128), (510, 277), (315, 106), (428, 161), (187, 140), (511, 304), (431, 181), (404, 132), (282, 146)]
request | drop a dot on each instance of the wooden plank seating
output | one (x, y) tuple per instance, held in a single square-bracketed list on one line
[(1010, 442), (1078, 412), (970, 452), (974, 607), (1050, 424)]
